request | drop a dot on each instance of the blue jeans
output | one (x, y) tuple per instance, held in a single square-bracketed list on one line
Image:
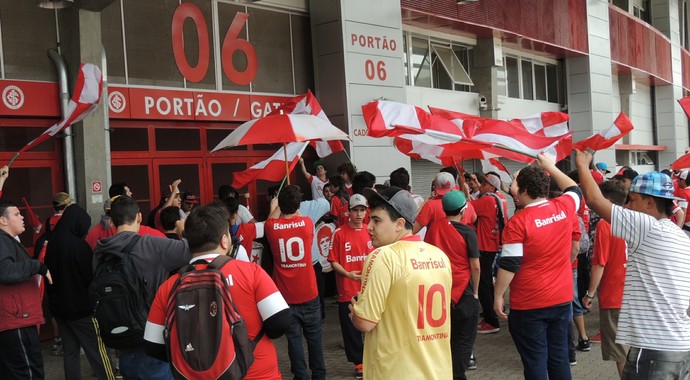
[(541, 338), (136, 365), (306, 319), (642, 363)]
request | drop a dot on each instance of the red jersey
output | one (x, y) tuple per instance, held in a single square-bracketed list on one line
[(349, 247), (98, 232), (611, 253), (291, 241), (256, 298), (583, 213), (340, 209), (504, 201), (685, 194), (459, 242), (432, 210), (536, 234), (577, 234), (486, 208)]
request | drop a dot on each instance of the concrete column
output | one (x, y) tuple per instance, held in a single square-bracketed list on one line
[(488, 74), (589, 81), (626, 87), (671, 122), (82, 44)]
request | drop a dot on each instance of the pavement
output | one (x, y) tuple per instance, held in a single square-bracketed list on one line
[(496, 355)]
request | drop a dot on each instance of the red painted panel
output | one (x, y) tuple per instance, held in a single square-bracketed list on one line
[(638, 46), (562, 24), (685, 59), (23, 98)]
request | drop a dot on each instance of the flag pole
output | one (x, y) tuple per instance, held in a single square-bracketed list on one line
[(499, 146), (11, 161), (281, 184), (287, 164)]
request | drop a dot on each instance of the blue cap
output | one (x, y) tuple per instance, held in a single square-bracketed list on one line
[(603, 166), (654, 184)]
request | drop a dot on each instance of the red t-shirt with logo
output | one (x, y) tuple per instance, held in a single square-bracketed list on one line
[(541, 234), (340, 209), (248, 232), (451, 241), (291, 241), (685, 194), (432, 210), (611, 253), (256, 298), (486, 208), (349, 247)]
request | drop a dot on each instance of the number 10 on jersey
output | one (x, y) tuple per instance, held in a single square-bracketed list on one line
[(292, 249), (425, 311)]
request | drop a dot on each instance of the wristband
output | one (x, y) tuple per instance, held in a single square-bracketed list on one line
[(589, 295)]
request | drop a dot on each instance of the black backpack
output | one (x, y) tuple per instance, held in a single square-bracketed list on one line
[(119, 293), (200, 301)]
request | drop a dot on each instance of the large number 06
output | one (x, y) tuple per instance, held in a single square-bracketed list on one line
[(286, 249), (425, 311), (231, 44)]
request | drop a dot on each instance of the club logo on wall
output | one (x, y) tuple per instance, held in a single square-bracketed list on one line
[(117, 102), (13, 97)]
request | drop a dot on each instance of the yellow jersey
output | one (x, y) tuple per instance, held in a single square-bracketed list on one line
[(406, 290)]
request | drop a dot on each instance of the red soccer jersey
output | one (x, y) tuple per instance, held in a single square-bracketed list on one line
[(349, 247), (611, 253), (291, 240), (536, 234), (583, 213), (247, 233), (459, 250), (486, 208), (98, 232), (433, 210), (577, 234), (257, 299), (339, 209), (685, 194), (504, 202)]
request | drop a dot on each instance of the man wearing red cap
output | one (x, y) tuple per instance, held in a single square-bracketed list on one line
[(433, 209)]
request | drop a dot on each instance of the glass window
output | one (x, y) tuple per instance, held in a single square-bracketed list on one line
[(215, 136), (540, 82), (14, 138), (28, 33), (466, 57), (36, 185), (440, 76), (137, 179), (168, 139), (222, 174), (188, 173), (191, 46), (226, 13), (269, 32), (552, 83), (111, 36), (405, 60), (527, 89), (512, 77), (452, 65), (129, 139), (302, 56), (421, 63)]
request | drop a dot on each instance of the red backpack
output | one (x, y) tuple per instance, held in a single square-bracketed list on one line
[(205, 335)]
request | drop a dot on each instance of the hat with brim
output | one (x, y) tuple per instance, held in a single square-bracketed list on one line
[(603, 166), (654, 184), (401, 201)]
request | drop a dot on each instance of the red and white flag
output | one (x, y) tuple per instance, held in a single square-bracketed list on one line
[(386, 118), (682, 162), (685, 105), (87, 94), (550, 124), (308, 105), (607, 137), (272, 168), (494, 165)]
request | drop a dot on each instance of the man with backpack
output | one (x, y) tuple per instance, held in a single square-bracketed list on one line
[(254, 309), (128, 269)]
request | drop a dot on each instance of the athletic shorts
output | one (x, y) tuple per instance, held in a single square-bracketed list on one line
[(610, 350)]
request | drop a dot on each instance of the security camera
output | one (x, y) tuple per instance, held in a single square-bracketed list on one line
[(483, 105)]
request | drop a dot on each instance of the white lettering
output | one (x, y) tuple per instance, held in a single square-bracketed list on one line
[(256, 109), (218, 108), (200, 108), (188, 102), (354, 259), (160, 102), (148, 103), (177, 106), (552, 219), (285, 226)]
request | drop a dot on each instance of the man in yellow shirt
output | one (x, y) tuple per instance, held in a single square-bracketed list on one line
[(404, 303)]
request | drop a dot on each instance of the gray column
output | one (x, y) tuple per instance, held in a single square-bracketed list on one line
[(671, 122), (589, 81), (489, 74)]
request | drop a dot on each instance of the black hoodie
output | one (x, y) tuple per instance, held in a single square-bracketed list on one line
[(68, 258)]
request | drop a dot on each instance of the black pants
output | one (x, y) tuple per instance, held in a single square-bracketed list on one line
[(463, 332), (486, 288), (318, 271), (83, 333), (20, 354), (352, 338)]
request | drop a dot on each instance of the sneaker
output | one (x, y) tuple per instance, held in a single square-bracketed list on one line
[(583, 344), (473, 362), (596, 338), (57, 346), (359, 371), (486, 328)]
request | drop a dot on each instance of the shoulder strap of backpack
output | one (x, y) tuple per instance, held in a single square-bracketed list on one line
[(130, 246), (221, 260)]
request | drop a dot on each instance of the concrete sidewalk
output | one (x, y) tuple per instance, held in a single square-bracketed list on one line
[(496, 356)]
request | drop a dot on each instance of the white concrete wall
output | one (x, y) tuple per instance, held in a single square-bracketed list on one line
[(465, 102), (641, 116), (511, 108), (615, 95)]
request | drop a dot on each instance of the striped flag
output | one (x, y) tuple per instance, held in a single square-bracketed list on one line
[(308, 105), (607, 137), (87, 94), (272, 168), (494, 165), (681, 163), (685, 105), (389, 119)]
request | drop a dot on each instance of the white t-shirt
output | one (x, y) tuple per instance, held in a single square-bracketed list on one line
[(244, 215), (656, 297), (316, 187)]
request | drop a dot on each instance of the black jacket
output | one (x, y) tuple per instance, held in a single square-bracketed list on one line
[(68, 258)]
